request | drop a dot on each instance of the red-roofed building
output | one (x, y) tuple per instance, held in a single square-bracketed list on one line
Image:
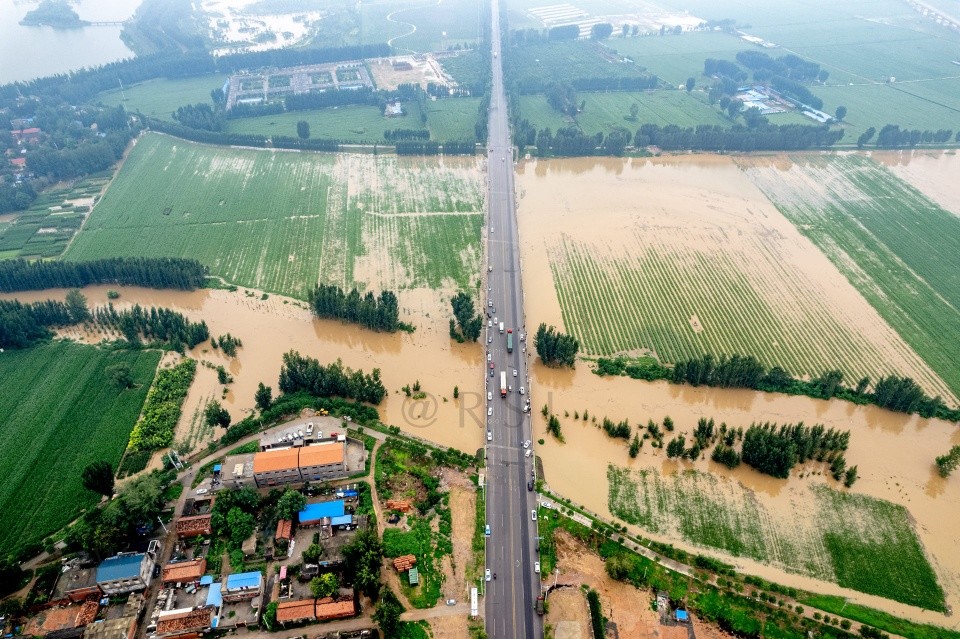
[(193, 526), (184, 571), (328, 608), (184, 623), (315, 610), (20, 163), (26, 136), (296, 611), (284, 530)]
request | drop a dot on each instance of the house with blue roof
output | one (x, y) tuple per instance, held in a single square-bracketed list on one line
[(126, 572), (242, 586), (314, 514)]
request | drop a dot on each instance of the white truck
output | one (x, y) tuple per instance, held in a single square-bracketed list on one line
[(501, 328)]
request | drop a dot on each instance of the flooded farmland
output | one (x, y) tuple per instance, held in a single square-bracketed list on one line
[(607, 203), (934, 173), (894, 452), (269, 328), (682, 256)]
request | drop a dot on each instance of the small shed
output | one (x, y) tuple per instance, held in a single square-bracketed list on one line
[(413, 576)]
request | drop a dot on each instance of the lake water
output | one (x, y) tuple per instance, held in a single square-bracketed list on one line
[(31, 52)]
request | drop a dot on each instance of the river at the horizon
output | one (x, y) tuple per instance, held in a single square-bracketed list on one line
[(32, 52)]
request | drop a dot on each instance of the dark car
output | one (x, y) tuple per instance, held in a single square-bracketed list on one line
[(530, 485), (156, 570)]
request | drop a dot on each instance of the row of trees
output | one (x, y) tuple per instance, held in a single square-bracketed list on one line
[(22, 325), (757, 135), (788, 66), (554, 347), (414, 147), (242, 139), (892, 136), (466, 323), (175, 272), (893, 392), (299, 373), (158, 326), (762, 137), (378, 313), (391, 135)]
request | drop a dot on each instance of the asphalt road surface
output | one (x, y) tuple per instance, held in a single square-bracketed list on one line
[(510, 598)]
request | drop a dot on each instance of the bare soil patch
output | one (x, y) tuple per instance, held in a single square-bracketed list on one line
[(569, 614), (623, 604)]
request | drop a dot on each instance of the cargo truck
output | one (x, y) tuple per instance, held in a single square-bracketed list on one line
[(501, 328), (503, 383), (510, 341)]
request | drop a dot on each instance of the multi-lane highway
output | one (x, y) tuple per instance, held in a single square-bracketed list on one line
[(510, 596)]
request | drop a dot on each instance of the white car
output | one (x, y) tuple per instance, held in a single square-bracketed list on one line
[(202, 491), (533, 515), (489, 339), (490, 268), (489, 396), (527, 454), (489, 302), (489, 411), (514, 372), (486, 574), (489, 357), (526, 444), (490, 434), (521, 390), (491, 229), (536, 567), (489, 323), (547, 505)]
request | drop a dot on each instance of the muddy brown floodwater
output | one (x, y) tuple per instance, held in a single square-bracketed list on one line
[(894, 452), (932, 172), (269, 328)]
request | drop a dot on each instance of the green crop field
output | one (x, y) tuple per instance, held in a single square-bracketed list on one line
[(160, 98), (354, 123), (45, 229), (855, 541), (467, 67), (678, 57), (603, 111), (898, 248), (453, 118), (59, 412), (535, 109), (565, 61), (281, 221)]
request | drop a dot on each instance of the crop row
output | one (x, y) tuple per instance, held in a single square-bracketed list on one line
[(900, 250), (747, 301), (59, 411)]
